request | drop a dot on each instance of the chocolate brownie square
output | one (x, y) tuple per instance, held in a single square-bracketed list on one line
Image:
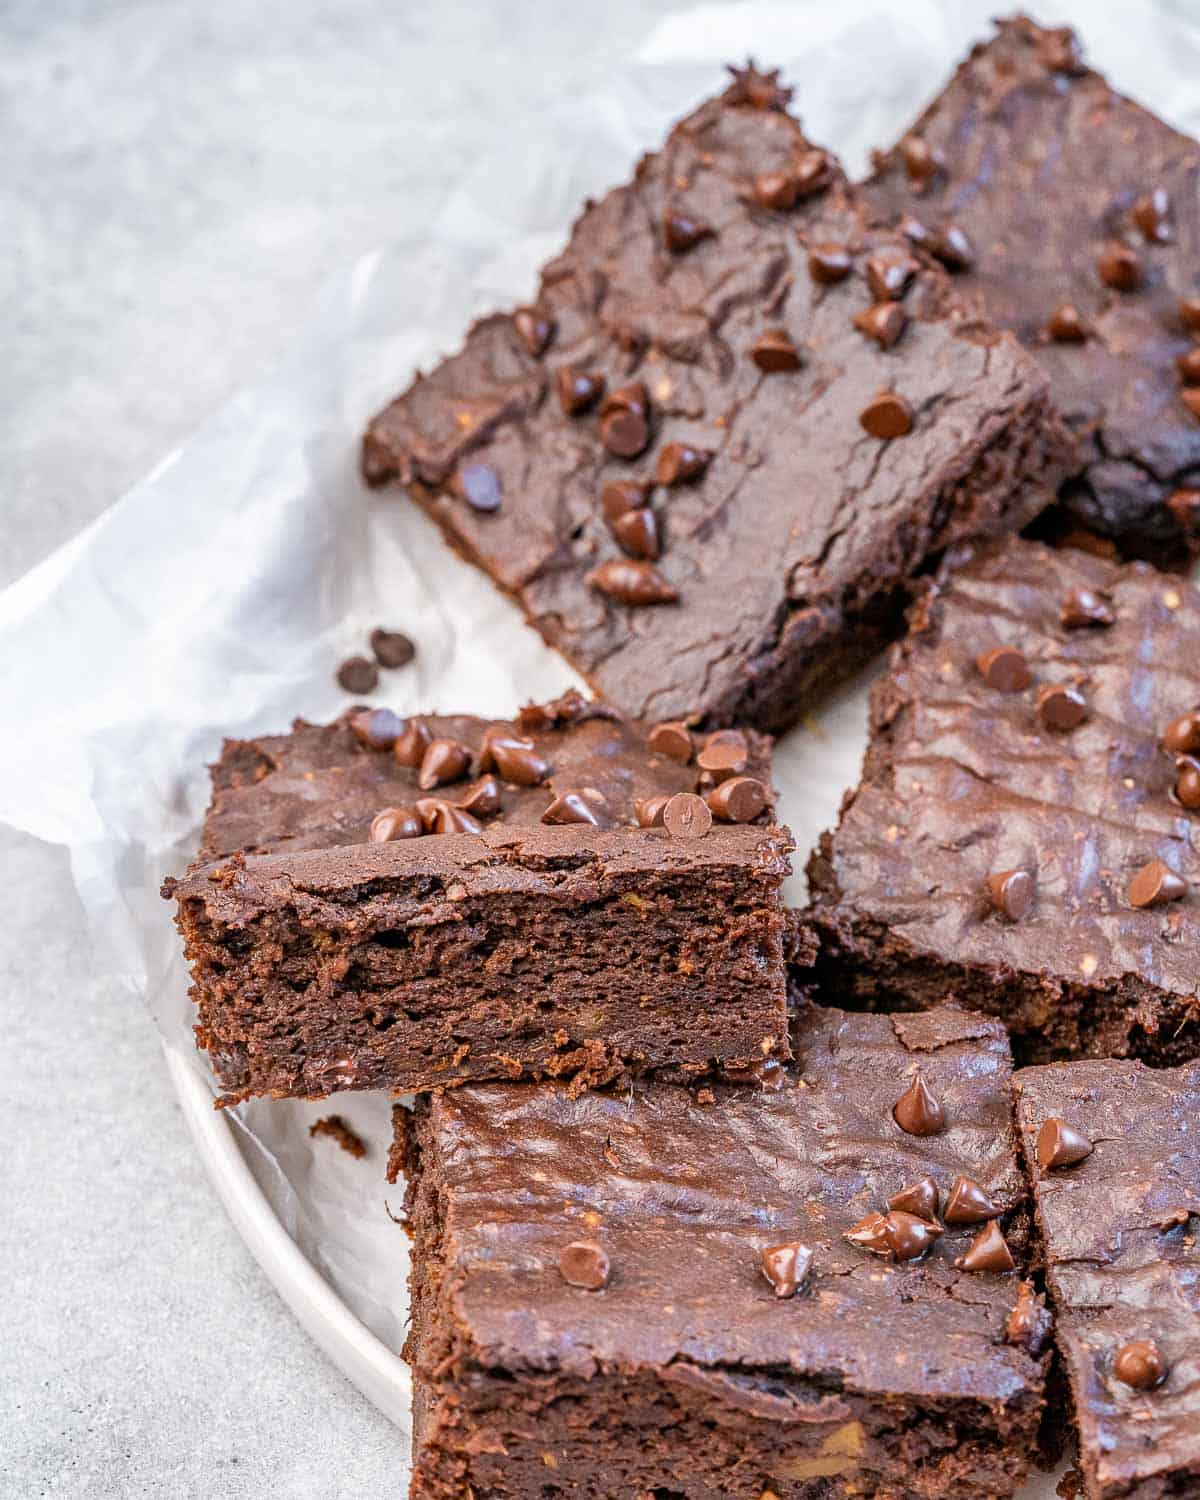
[(1073, 214), (1026, 835), (1114, 1156), (734, 424), (809, 1291), (403, 904)]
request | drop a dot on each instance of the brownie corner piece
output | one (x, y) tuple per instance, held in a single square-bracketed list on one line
[(405, 904), (1114, 1161), (1073, 215), (709, 460), (703, 1299), (1025, 837)]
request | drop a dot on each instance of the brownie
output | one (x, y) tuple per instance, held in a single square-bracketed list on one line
[(708, 459), (639, 1293), (407, 903), (1114, 1157), (1074, 215), (1026, 835)]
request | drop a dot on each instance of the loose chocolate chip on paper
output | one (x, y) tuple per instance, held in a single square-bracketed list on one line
[(376, 728), (479, 485), (572, 807), (1140, 1364), (1060, 1145), (738, 800), (775, 353), (917, 1111), (444, 761), (920, 1198), (637, 533), (686, 816), (392, 648), (1011, 893), (988, 1251), (887, 415), (1155, 884), (357, 674), (1152, 215), (679, 463), (967, 1203), (673, 739), (1066, 324), (682, 231), (534, 329), (578, 390), (395, 823), (1004, 669), (1119, 268), (786, 1267), (1083, 609), (585, 1264), (829, 263), (884, 322), (631, 582), (1061, 706)]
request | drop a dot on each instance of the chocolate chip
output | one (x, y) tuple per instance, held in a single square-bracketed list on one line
[(444, 761), (637, 532), (786, 1266), (1140, 1364), (1084, 610), (1060, 1145), (440, 816), (920, 1199), (571, 807), (483, 800), (411, 744), (585, 1264), (887, 415), (829, 263), (921, 161), (812, 171), (1187, 782), (738, 800), (1184, 505), (395, 823), (729, 737), (1189, 312), (392, 648), (756, 89), (578, 390), (1119, 268), (889, 276), (1188, 366), (1061, 706), (621, 495), (682, 232), (1011, 893), (479, 485), (1152, 215), (988, 1251), (884, 322), (625, 420), (896, 1234), (722, 758), (1191, 399), (1005, 669), (650, 811), (632, 583), (871, 1234), (1028, 1323), (1155, 884), (533, 329), (917, 1111), (914, 231), (774, 352), (1058, 49), (376, 728), (686, 816), (953, 248), (680, 462), (515, 757), (776, 190), (967, 1203), (358, 675), (673, 739), (1066, 324)]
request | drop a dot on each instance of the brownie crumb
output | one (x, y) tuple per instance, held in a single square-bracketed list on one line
[(337, 1130)]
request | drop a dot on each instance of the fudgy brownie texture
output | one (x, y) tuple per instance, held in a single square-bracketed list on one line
[(1074, 215), (1026, 835), (710, 458), (404, 904), (638, 1293), (1114, 1156)]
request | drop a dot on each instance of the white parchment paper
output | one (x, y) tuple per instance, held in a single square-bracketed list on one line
[(217, 597)]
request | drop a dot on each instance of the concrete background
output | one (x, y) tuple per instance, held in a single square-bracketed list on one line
[(178, 179)]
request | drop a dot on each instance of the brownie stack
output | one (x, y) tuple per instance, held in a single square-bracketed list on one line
[(709, 1198)]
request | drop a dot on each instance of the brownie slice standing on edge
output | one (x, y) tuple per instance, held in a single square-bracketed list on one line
[(1026, 835), (806, 1291), (708, 461), (1074, 215), (380, 903), (1114, 1155)]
